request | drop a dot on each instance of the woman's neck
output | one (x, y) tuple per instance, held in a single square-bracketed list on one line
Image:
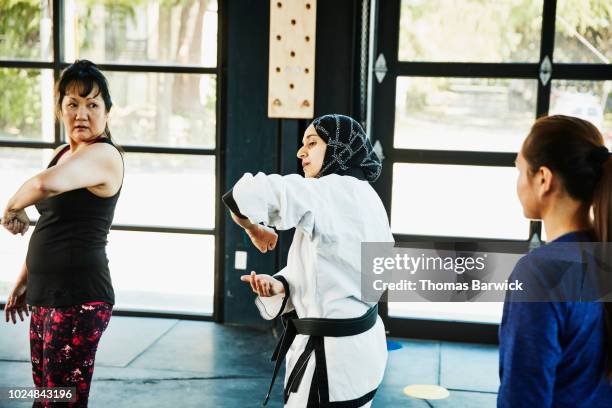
[(76, 145), (565, 217)]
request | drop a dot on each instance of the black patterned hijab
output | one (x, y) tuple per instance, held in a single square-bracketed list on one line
[(349, 151)]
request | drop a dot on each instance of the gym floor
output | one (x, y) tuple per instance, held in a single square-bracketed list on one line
[(149, 362)]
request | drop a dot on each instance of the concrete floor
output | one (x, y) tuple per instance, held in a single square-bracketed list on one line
[(146, 362)]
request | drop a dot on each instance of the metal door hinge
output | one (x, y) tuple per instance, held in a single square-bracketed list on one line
[(545, 70), (380, 68)]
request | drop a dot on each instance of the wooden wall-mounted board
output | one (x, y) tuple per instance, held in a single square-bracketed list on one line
[(292, 58)]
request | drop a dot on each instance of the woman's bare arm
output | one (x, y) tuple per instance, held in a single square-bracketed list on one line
[(94, 165)]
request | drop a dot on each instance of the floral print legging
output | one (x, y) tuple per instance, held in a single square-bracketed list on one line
[(63, 344)]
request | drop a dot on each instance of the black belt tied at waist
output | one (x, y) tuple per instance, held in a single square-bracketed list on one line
[(317, 329)]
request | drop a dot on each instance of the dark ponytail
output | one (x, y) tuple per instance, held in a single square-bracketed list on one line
[(107, 133), (602, 203), (602, 211), (574, 150)]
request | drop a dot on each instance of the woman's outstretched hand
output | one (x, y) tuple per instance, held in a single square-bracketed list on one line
[(16, 222), (264, 238), (264, 285), (16, 303)]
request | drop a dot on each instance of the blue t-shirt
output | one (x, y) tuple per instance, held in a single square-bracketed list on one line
[(551, 354)]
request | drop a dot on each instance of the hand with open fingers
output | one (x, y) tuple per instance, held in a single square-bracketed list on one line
[(16, 304), (264, 238), (16, 222), (264, 285)]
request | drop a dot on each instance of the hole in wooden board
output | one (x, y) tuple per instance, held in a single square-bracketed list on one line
[(293, 53), (279, 4), (307, 38), (278, 37), (307, 6), (306, 70), (277, 69), (291, 86), (293, 21)]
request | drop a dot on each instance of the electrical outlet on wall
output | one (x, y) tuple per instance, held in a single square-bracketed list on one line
[(240, 260)]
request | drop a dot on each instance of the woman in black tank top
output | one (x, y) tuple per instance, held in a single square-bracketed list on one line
[(65, 277)]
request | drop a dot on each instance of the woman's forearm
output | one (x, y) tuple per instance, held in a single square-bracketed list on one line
[(30, 193), (243, 222), (237, 216), (23, 275)]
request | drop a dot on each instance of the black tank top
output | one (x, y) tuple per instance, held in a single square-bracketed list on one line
[(67, 263)]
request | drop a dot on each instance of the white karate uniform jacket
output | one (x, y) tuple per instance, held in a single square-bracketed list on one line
[(332, 216)]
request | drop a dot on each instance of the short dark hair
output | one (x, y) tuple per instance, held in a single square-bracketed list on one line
[(84, 74)]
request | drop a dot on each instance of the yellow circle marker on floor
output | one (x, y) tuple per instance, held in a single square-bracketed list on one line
[(426, 391)]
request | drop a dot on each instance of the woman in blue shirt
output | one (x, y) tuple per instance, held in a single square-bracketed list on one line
[(559, 354)]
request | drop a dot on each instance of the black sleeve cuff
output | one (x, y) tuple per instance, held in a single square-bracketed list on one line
[(228, 200), (287, 294)]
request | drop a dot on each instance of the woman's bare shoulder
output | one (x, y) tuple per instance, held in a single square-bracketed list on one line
[(59, 148)]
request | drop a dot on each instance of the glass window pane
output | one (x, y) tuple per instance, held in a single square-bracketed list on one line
[(582, 31), (176, 110), (16, 166), (543, 236), (27, 107), (168, 190), (470, 30), (472, 114), (589, 100), (166, 272), (26, 30), (456, 201), (145, 32), (144, 276), (481, 312), (13, 249)]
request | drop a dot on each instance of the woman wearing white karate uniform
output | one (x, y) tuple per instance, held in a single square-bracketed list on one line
[(334, 342)]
